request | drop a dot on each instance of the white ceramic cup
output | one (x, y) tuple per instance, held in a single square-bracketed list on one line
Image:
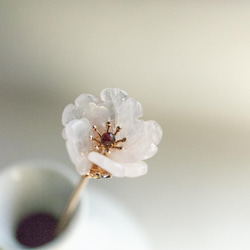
[(38, 186), (100, 222)]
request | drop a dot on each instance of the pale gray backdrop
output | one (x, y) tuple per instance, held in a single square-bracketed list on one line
[(187, 62)]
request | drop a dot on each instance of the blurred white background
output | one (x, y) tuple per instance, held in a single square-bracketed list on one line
[(187, 62)]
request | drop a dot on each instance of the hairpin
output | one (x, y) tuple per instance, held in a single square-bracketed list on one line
[(105, 138)]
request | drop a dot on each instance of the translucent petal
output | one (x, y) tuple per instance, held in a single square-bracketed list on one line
[(104, 162), (85, 99), (73, 152), (70, 113), (78, 142), (81, 162), (97, 115), (113, 95), (77, 129), (141, 144), (154, 131), (135, 169), (125, 111), (84, 166), (126, 116), (86, 106), (118, 169), (129, 109)]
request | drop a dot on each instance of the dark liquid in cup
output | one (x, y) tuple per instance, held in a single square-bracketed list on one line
[(36, 229)]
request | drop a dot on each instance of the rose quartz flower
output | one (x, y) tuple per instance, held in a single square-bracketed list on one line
[(108, 133)]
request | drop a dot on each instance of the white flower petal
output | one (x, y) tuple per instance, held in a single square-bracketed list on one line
[(154, 131), (86, 106), (97, 115), (135, 169), (125, 111), (82, 163), (104, 162), (132, 154), (93, 109), (141, 144), (83, 166), (126, 116), (69, 114), (73, 152), (85, 99), (113, 95), (77, 129), (118, 169)]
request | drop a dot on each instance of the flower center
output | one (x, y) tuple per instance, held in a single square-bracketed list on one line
[(103, 143), (108, 139)]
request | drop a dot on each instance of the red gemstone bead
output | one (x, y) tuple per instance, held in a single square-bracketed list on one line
[(108, 139)]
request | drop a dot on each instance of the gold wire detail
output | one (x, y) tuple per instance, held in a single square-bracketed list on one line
[(72, 205), (97, 172)]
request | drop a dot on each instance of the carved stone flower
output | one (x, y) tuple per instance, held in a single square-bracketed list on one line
[(104, 136)]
